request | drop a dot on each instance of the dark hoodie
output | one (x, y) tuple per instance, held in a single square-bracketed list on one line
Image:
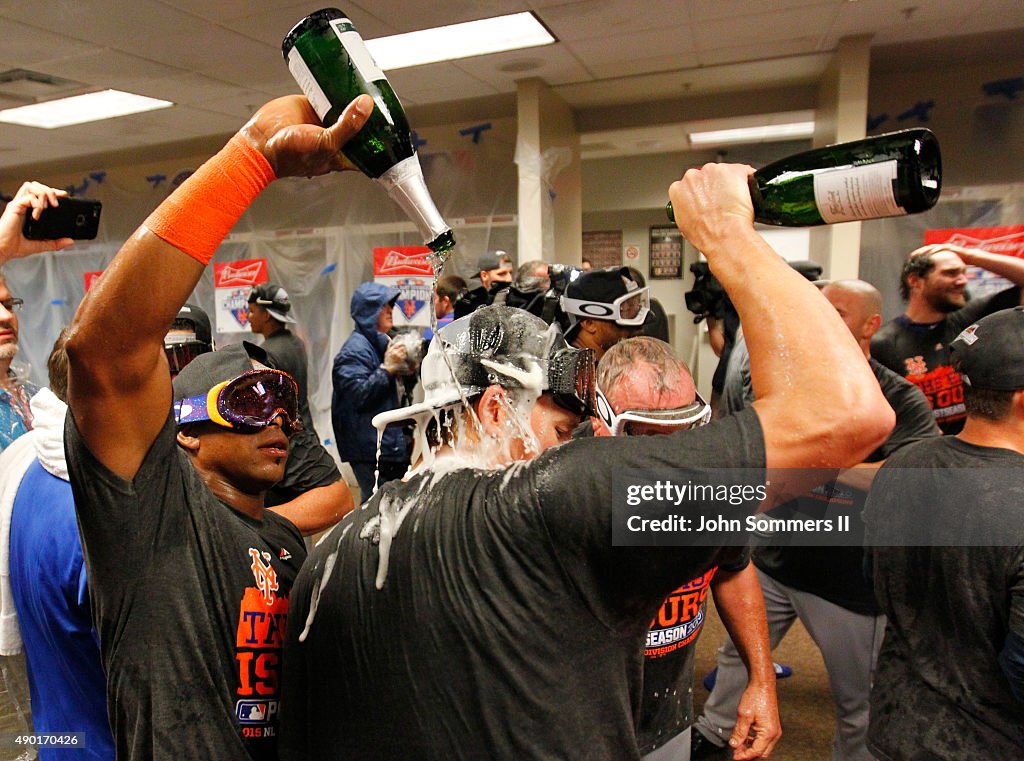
[(361, 386)]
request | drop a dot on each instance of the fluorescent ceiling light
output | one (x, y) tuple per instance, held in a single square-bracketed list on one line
[(448, 43), (79, 109), (792, 131)]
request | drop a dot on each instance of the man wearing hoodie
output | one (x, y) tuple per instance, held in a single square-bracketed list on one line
[(44, 604), (364, 385)]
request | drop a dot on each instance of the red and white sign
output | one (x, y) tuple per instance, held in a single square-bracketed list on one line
[(632, 252), (402, 260), (232, 282), (407, 269), (90, 279), (1007, 240)]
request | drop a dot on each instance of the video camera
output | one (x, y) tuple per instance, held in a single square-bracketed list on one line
[(707, 298)]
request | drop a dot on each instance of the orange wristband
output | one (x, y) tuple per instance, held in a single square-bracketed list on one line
[(197, 216)]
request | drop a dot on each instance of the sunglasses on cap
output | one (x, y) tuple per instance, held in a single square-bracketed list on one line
[(181, 352), (629, 309), (248, 403), (692, 415)]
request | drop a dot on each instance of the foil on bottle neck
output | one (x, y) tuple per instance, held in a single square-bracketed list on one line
[(405, 184)]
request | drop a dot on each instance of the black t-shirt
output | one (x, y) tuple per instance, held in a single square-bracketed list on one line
[(918, 352), (508, 626), (837, 574), (309, 465), (667, 707), (938, 688), (190, 599)]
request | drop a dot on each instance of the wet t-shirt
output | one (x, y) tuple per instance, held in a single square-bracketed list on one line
[(667, 707), (506, 625), (919, 352), (190, 600), (938, 690)]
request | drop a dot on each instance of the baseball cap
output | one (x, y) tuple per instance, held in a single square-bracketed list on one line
[(493, 260), (198, 319), (606, 294), (207, 370), (504, 346), (274, 299), (990, 353)]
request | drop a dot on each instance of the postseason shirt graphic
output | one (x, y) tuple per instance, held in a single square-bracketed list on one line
[(680, 618)]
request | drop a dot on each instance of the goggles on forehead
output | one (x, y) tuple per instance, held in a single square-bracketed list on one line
[(692, 415), (181, 352), (628, 309), (251, 401)]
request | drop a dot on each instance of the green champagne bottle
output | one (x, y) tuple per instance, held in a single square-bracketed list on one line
[(331, 64), (883, 176)]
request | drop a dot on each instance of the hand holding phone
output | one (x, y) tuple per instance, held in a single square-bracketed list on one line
[(32, 197), (75, 218)]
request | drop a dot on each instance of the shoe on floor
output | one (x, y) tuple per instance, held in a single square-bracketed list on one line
[(702, 749), (781, 672)]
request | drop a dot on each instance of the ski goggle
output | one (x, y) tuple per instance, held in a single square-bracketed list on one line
[(248, 403), (629, 309), (180, 353), (572, 379), (692, 415)]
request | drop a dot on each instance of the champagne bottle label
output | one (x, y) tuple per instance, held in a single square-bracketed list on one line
[(353, 43), (307, 82), (847, 194)]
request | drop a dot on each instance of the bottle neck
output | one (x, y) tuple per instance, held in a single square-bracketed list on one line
[(405, 184)]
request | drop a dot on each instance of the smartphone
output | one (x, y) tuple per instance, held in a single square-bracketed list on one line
[(77, 218)]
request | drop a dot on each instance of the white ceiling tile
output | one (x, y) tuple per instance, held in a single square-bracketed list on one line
[(555, 64), (762, 29), (637, 53), (607, 19), (26, 46), (759, 52), (108, 68), (703, 10)]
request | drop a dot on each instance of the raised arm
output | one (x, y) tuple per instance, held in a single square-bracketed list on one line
[(817, 399), (31, 198), (119, 383), (1010, 267)]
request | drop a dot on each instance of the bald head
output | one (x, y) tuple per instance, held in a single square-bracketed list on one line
[(644, 373), (859, 305)]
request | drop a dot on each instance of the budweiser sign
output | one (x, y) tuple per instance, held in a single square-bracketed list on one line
[(402, 260), (996, 240), (245, 272)]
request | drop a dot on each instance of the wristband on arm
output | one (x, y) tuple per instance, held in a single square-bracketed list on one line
[(197, 216)]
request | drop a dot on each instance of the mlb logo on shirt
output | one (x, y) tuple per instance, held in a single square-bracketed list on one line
[(255, 711)]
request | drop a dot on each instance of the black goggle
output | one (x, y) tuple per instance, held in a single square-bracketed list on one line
[(572, 379), (181, 353), (247, 403)]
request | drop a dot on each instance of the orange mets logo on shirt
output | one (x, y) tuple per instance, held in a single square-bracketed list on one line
[(264, 573)]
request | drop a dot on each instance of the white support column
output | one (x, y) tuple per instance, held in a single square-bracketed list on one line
[(550, 185), (842, 116)]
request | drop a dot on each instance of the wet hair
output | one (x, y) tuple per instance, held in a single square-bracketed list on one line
[(919, 265), (622, 360), (57, 366), (451, 286)]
